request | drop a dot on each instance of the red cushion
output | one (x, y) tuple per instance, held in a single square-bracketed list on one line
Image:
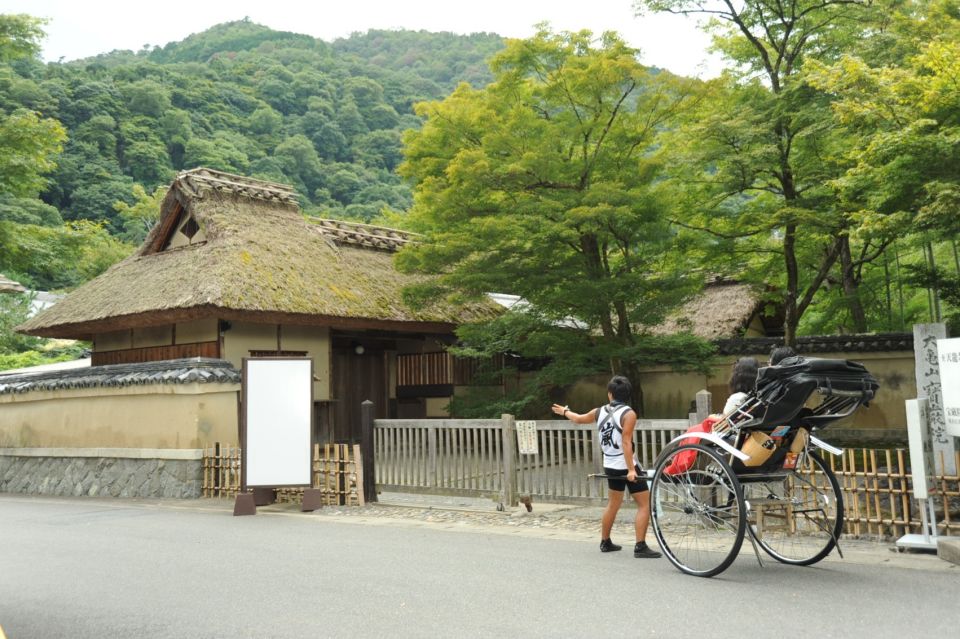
[(683, 460)]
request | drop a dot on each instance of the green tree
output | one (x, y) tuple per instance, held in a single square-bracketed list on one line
[(147, 97), (14, 310), (20, 36), (140, 217), (50, 258), (29, 145), (903, 119), (763, 150), (544, 185)]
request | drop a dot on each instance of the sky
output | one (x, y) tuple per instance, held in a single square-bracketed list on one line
[(83, 28)]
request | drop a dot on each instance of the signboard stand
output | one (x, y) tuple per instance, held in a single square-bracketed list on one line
[(276, 432), (244, 505), (921, 468)]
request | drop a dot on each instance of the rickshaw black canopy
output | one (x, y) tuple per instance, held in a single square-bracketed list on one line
[(784, 390)]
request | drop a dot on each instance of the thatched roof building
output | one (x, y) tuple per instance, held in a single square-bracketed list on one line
[(238, 248), (9, 286), (725, 309)]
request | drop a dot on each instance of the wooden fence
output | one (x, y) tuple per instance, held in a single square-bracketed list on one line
[(878, 498), (471, 457), (337, 473)]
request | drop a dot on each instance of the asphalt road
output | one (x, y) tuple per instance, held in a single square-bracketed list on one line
[(95, 568)]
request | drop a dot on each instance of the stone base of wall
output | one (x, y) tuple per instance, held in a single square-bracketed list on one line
[(82, 472)]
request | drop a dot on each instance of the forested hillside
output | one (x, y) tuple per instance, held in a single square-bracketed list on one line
[(239, 97), (821, 166)]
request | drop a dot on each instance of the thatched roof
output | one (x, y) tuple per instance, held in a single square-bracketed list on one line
[(722, 310), (9, 286), (250, 255)]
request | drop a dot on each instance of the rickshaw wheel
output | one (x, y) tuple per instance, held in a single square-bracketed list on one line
[(798, 519), (698, 514)]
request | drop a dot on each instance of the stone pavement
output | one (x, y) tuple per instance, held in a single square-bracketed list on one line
[(561, 521)]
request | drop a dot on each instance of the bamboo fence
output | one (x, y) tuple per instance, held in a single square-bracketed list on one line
[(337, 473), (876, 484)]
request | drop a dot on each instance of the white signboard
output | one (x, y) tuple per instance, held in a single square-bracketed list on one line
[(277, 413), (948, 351), (921, 447), (527, 438)]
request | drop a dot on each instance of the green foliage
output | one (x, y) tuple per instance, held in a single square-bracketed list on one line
[(25, 210), (545, 185), (553, 357), (28, 146), (441, 60), (140, 217), (238, 97), (14, 310), (228, 38), (20, 36), (21, 351), (762, 155), (46, 258), (901, 115)]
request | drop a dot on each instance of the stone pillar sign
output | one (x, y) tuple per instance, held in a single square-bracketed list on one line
[(925, 337)]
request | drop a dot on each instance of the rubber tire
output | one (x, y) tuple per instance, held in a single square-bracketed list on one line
[(837, 528), (658, 478)]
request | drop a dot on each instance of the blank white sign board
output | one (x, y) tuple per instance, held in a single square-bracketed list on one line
[(277, 410), (949, 355)]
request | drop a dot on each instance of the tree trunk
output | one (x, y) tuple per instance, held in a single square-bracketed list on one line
[(935, 291), (851, 287), (632, 372), (791, 318)]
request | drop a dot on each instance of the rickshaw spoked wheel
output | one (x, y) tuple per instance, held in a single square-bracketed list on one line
[(698, 514)]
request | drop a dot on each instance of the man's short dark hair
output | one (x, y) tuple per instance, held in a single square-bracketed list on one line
[(780, 353), (620, 389)]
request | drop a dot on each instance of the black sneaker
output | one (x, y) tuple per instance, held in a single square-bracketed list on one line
[(608, 546), (643, 551)]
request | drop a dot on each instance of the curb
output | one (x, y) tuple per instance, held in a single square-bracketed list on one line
[(949, 550)]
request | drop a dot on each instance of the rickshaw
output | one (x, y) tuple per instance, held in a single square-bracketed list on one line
[(757, 471)]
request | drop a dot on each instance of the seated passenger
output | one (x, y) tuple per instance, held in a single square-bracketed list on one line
[(780, 353), (743, 379)]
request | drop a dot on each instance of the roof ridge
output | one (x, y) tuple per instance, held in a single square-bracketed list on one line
[(359, 234), (199, 180)]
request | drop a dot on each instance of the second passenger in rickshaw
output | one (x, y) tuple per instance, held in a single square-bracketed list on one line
[(743, 379), (615, 425)]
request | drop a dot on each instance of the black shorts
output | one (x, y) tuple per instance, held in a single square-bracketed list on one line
[(620, 485)]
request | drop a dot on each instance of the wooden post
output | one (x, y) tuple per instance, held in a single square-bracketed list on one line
[(432, 456), (508, 432), (704, 407), (366, 449)]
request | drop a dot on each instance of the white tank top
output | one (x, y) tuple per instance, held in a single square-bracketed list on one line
[(610, 431)]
